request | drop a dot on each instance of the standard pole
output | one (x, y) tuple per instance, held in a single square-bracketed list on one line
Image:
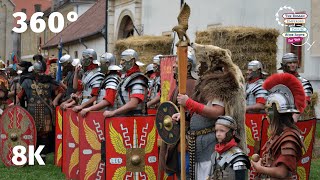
[(182, 76), (106, 27)]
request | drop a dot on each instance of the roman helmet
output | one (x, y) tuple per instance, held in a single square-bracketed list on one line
[(288, 58)]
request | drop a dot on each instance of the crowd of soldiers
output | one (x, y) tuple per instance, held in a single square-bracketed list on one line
[(93, 84)]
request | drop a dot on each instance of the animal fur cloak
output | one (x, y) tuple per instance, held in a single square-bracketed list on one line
[(221, 79)]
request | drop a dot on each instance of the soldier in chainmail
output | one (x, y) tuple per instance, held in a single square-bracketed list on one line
[(228, 161), (132, 91), (255, 94), (108, 87)]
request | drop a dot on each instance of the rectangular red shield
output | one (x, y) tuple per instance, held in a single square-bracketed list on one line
[(308, 128), (253, 133), (70, 143), (58, 138), (131, 148), (91, 131), (168, 83)]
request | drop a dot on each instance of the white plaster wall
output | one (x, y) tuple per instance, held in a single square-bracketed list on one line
[(82, 8), (96, 44), (6, 25)]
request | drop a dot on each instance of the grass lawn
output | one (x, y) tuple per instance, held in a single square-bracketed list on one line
[(315, 169), (49, 171), (315, 163)]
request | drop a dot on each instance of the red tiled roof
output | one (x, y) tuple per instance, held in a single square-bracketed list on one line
[(88, 24), (29, 6)]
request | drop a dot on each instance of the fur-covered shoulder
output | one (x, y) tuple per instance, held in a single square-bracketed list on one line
[(221, 79)]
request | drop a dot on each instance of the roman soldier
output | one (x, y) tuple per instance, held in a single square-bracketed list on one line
[(39, 92), (91, 79), (67, 76), (284, 148), (289, 64), (155, 86), (228, 161), (24, 71), (4, 87), (150, 73), (13, 83), (132, 91), (255, 94), (73, 84), (108, 87)]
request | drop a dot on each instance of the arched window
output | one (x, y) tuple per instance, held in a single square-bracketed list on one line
[(126, 28)]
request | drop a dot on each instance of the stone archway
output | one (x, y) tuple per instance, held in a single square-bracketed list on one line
[(126, 28)]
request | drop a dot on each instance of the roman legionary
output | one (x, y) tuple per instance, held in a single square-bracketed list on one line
[(289, 64), (71, 81), (4, 87), (39, 92), (255, 94), (150, 73), (155, 86), (13, 83), (132, 91), (219, 91), (67, 75), (24, 71), (285, 146), (91, 79), (108, 87)]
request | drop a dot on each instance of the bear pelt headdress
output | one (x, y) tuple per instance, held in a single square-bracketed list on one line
[(221, 79)]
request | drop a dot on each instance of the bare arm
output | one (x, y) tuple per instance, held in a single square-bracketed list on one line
[(88, 103), (212, 112), (102, 104), (131, 105), (56, 99), (153, 101), (75, 78), (95, 107)]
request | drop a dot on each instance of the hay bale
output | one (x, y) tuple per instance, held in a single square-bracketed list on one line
[(146, 46), (309, 111), (245, 43)]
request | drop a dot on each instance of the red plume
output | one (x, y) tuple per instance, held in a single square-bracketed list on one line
[(292, 83)]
